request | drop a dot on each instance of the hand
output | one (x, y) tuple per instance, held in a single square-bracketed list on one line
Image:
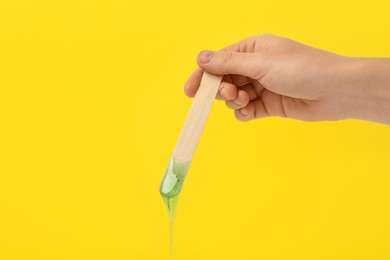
[(273, 76)]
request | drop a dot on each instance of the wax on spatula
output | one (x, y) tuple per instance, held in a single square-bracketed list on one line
[(179, 163)]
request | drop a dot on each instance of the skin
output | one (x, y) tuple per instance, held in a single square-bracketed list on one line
[(268, 75)]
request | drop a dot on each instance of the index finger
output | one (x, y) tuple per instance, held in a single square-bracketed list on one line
[(193, 82)]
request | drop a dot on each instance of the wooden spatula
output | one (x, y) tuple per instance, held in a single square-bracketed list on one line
[(189, 137)]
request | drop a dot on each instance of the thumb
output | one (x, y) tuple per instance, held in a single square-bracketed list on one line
[(230, 62)]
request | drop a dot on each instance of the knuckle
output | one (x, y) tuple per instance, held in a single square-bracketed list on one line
[(227, 57), (240, 117), (229, 104)]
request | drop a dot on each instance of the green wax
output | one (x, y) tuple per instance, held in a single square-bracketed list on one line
[(173, 180), (170, 188), (171, 204)]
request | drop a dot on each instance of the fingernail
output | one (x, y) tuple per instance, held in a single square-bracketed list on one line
[(205, 56), (244, 111), (224, 93), (237, 102)]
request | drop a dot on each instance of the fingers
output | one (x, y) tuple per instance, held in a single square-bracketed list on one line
[(241, 100), (253, 110), (232, 62), (240, 80), (239, 92), (193, 82), (246, 113), (239, 61), (248, 88), (227, 87), (269, 104), (227, 91)]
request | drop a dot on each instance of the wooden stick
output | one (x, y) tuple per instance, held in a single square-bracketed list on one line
[(197, 117)]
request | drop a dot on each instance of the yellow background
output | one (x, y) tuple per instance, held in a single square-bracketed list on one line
[(92, 103)]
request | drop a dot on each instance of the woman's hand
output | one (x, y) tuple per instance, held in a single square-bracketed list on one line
[(272, 76)]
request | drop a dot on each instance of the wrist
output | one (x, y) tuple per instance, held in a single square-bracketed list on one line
[(365, 88)]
